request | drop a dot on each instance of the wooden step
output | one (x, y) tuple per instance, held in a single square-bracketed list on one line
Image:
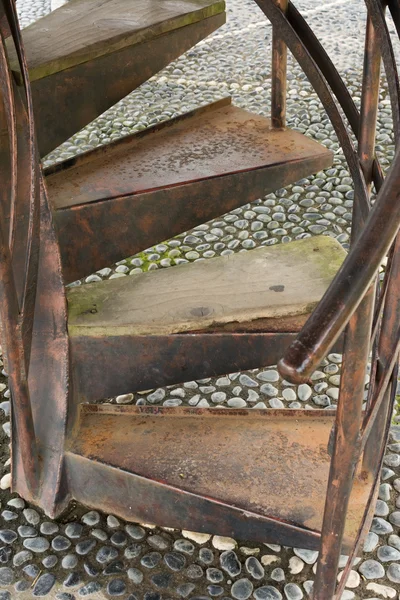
[(101, 50), (259, 474), (121, 199), (255, 290)]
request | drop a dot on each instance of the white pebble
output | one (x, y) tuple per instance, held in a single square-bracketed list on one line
[(223, 543), (199, 538), (5, 481)]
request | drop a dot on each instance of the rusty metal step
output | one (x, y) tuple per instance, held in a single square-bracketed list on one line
[(115, 201), (179, 467), (101, 50)]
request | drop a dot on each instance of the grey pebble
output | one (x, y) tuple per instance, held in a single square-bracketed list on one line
[(150, 560), (184, 589), (91, 518), (293, 591), (50, 561), (254, 567), (215, 590), (371, 542), (309, 556), (74, 530), (267, 592), (135, 575), (16, 503), (184, 546), (392, 460), (6, 576), (116, 587), (384, 492), (393, 572), (269, 390), (44, 584), (22, 557), (72, 580), (69, 561), (278, 574), (90, 588), (276, 403), (394, 540), (8, 536), (48, 528), (394, 518), (85, 546), (37, 544), (135, 531), (9, 515), (230, 563), (32, 516), (60, 543), (270, 376), (242, 589), (381, 508), (388, 554), (5, 554), (380, 526), (119, 538), (26, 531), (31, 571), (214, 575), (371, 569), (106, 554), (175, 561), (247, 381), (99, 534), (194, 572)]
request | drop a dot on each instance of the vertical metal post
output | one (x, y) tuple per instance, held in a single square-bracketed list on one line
[(279, 70), (366, 151), (346, 447), (357, 346)]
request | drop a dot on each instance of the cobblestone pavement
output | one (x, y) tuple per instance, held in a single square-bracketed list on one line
[(90, 555)]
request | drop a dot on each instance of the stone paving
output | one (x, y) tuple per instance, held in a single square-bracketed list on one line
[(86, 554)]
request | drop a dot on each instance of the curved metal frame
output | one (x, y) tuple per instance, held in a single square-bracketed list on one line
[(33, 297)]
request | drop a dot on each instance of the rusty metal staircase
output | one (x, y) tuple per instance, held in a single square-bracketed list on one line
[(65, 350)]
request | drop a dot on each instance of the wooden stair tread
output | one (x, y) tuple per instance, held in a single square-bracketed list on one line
[(217, 140), (270, 282), (284, 459), (83, 30)]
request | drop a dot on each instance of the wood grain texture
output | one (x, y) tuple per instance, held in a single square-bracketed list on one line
[(270, 282), (83, 30)]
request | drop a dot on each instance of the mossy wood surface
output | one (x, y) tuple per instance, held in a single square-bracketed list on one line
[(271, 282)]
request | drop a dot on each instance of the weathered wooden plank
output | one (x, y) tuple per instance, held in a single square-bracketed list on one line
[(116, 75), (271, 282), (84, 30)]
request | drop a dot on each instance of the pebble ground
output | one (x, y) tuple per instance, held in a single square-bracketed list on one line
[(90, 555)]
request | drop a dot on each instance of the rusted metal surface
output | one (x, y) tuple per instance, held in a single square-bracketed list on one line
[(278, 75), (103, 367), (16, 309), (102, 455), (32, 303), (189, 170), (351, 283), (209, 476)]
